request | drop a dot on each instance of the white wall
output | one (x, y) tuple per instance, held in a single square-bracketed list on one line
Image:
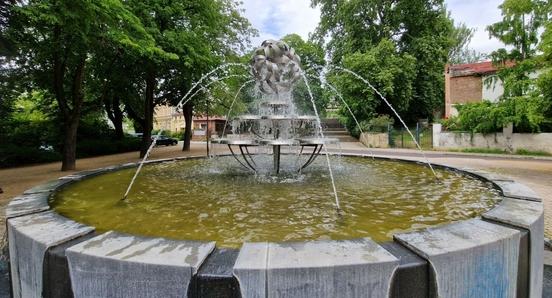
[(492, 91), (375, 140), (505, 140)]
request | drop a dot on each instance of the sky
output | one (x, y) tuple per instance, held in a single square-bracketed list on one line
[(275, 19)]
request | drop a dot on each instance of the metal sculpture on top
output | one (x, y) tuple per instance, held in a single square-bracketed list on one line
[(275, 64), (275, 122)]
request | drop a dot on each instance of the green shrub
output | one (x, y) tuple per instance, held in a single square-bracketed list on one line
[(13, 155), (525, 112), (451, 124), (376, 124), (94, 147), (178, 135), (532, 152), (380, 123), (482, 117)]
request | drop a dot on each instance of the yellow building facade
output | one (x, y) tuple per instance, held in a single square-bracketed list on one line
[(168, 119)]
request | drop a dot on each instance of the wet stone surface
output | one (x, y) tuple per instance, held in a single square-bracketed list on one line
[(4, 273), (547, 286), (346, 268), (527, 215), (49, 186), (516, 190), (115, 264), (27, 204), (471, 258), (29, 238)]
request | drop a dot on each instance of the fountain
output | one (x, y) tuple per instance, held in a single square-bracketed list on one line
[(256, 221), (276, 123)]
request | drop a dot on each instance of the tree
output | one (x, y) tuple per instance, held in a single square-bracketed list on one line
[(55, 42), (418, 29), (519, 28), (461, 52), (390, 72), (526, 100), (544, 82), (312, 61), (201, 33)]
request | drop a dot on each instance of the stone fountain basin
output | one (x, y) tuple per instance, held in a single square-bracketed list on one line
[(497, 255)]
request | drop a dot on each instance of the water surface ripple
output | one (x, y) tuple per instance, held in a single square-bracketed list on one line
[(213, 200)]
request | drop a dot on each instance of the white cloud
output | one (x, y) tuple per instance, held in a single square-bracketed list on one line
[(478, 14), (275, 19)]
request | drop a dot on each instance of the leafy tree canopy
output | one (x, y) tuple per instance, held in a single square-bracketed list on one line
[(519, 28), (461, 52), (312, 61), (418, 31)]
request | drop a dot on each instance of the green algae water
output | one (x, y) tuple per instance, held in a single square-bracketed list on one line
[(212, 200)]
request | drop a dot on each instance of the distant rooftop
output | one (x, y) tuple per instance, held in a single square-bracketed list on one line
[(479, 68)]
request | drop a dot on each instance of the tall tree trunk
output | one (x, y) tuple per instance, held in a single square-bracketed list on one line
[(72, 117), (69, 153), (148, 112), (187, 111), (118, 120), (116, 116)]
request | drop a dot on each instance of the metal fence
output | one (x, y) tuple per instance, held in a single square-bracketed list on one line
[(400, 138)]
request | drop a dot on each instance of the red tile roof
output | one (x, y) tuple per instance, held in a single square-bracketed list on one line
[(479, 68)]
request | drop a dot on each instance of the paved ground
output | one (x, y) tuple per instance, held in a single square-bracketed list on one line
[(534, 172)]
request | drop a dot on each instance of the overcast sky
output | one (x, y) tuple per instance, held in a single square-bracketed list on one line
[(274, 19)]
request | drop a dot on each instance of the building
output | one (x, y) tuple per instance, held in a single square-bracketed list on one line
[(474, 82), (168, 119), (216, 126)]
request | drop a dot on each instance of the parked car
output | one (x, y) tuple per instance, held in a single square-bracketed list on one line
[(164, 140)]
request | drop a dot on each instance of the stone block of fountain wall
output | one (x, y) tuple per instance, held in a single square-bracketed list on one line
[(29, 237), (120, 265), (484, 174), (88, 173), (94, 172), (516, 190), (344, 268), (215, 277), (27, 204), (56, 279), (527, 215), (250, 269), (412, 277), (471, 258), (49, 186)]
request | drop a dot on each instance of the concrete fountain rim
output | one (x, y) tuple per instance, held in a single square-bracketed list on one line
[(519, 213), (507, 187)]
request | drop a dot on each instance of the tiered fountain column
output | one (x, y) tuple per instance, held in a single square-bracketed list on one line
[(275, 121)]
